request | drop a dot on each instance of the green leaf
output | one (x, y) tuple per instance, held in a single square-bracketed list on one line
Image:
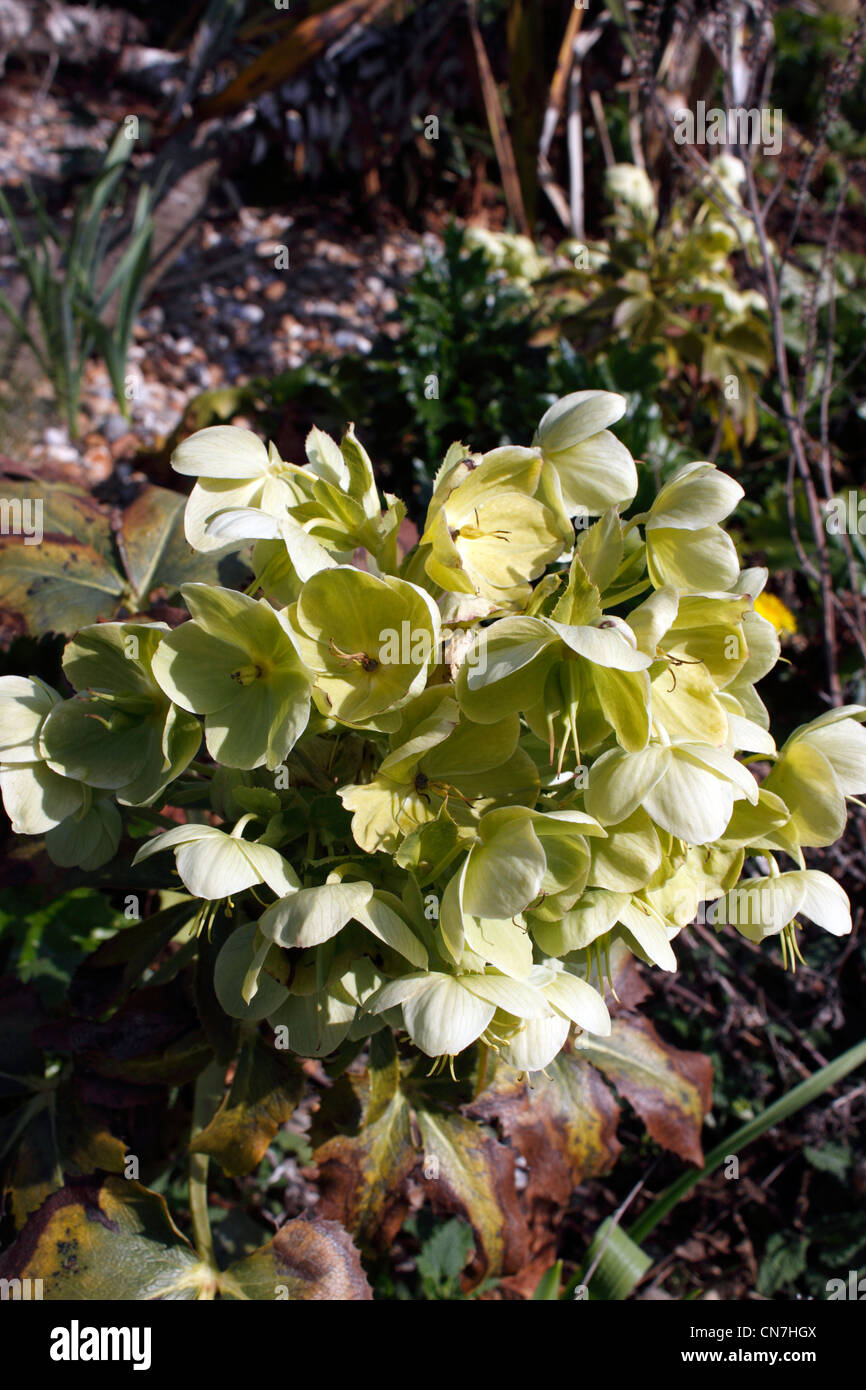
[(362, 1173), (442, 1257), (830, 1158), (156, 553), (622, 1264), (58, 1139), (117, 964), (474, 1177), (548, 1286), (70, 578), (108, 1239), (264, 1092), (783, 1261)]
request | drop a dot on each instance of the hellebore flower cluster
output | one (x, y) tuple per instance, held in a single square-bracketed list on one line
[(443, 787)]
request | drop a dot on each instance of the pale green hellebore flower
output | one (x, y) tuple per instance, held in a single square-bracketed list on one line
[(80, 831), (120, 732), (234, 470), (763, 907), (821, 764), (25, 703), (370, 641), (688, 789), (631, 185), (488, 532), (629, 857), (444, 1014), (571, 996), (37, 799), (317, 1024), (593, 468), (530, 1019), (319, 1016), (88, 839), (214, 865), (686, 547), (547, 670), (647, 933), (236, 663), (594, 915), (316, 915), (230, 970), (296, 560), (702, 876), (601, 913), (694, 637), (536, 1042), (521, 854), (748, 718), (513, 656), (436, 758), (521, 859), (301, 520)]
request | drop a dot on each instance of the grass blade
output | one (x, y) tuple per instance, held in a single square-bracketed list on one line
[(787, 1105)]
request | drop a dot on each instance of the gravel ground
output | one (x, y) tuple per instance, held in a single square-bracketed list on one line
[(254, 291)]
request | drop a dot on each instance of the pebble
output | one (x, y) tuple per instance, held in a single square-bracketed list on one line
[(152, 319), (127, 446), (352, 342), (99, 461), (114, 427)]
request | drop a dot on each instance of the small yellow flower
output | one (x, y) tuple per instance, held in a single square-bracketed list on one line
[(776, 612)]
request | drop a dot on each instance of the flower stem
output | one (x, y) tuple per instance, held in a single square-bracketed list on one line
[(208, 1094)]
